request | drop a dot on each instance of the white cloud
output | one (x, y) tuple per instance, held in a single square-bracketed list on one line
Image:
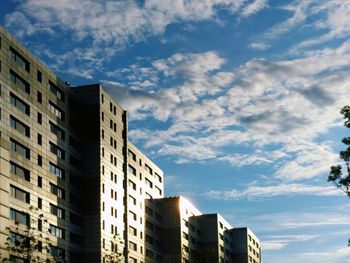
[(114, 25), (261, 103), (258, 192), (281, 241), (284, 104), (254, 7), (259, 45), (329, 20)]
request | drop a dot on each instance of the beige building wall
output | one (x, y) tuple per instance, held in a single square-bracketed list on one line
[(145, 182), (36, 156)]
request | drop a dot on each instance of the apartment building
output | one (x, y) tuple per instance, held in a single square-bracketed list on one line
[(69, 172), (246, 246), (65, 151), (192, 237), (216, 242), (180, 233), (37, 158)]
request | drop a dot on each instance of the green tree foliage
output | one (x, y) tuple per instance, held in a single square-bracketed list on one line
[(115, 255), (26, 243), (337, 175)]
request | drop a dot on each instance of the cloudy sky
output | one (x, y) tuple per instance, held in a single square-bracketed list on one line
[(236, 100)]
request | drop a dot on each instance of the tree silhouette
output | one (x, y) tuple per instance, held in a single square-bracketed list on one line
[(337, 176), (115, 255), (26, 242)]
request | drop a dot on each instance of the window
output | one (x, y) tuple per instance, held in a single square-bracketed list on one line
[(132, 230), (19, 217), (149, 211), (57, 151), (158, 177), (40, 202), (132, 246), (57, 252), (19, 194), (19, 104), (19, 171), (40, 118), (149, 239), (132, 200), (59, 172), (76, 239), (56, 111), (57, 131), (55, 210), (148, 169), (40, 97), (54, 189), (186, 249), (158, 217), (20, 82), (75, 219), (132, 185), (57, 91), (149, 253), (159, 190), (19, 126), (20, 149), (14, 259), (19, 59), (131, 170), (149, 183), (132, 215), (39, 76), (40, 181), (56, 231), (40, 139), (149, 225)]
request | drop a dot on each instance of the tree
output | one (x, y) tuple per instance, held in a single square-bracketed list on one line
[(26, 242), (337, 176), (115, 255)]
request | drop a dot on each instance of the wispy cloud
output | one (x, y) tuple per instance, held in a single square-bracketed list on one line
[(261, 107), (281, 241), (259, 45), (258, 192), (254, 7), (329, 20), (113, 25)]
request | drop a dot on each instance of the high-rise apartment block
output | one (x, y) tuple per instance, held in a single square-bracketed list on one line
[(69, 173)]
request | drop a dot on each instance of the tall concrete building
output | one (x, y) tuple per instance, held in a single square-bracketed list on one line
[(69, 172), (246, 246), (65, 151), (193, 237)]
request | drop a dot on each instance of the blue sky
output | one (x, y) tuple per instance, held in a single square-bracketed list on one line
[(236, 100)]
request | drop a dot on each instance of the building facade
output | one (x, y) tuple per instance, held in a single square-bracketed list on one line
[(70, 175), (246, 246), (65, 154), (192, 237)]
